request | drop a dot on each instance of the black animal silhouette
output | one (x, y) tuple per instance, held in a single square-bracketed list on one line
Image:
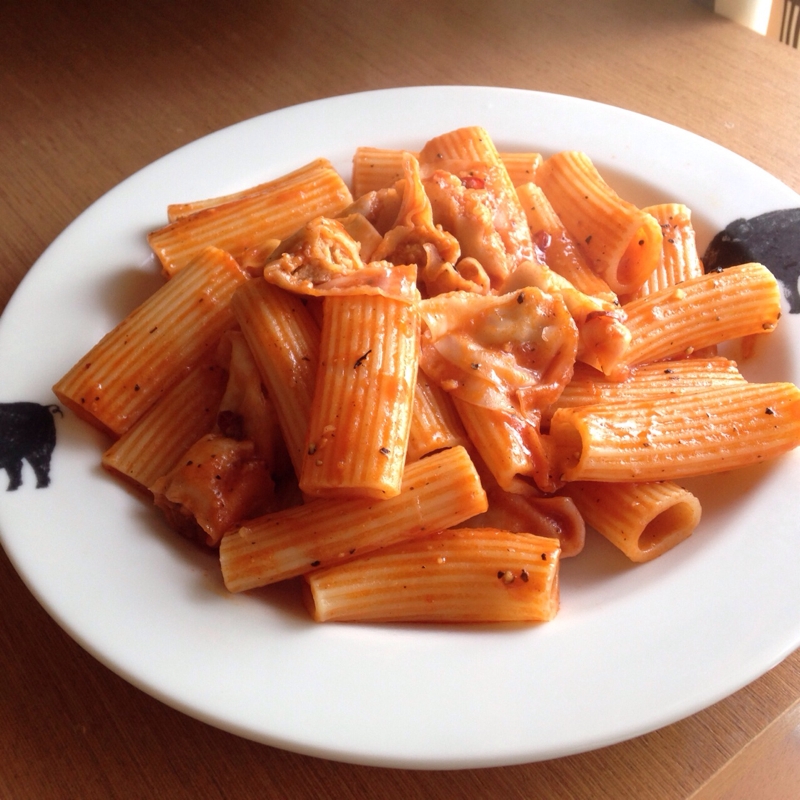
[(772, 239), (27, 432)]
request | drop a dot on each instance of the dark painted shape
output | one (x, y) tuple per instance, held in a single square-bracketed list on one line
[(27, 433), (772, 239)]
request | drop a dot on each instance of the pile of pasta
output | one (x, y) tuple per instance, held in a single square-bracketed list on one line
[(415, 395)]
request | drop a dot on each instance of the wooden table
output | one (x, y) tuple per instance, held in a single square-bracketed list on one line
[(91, 92)]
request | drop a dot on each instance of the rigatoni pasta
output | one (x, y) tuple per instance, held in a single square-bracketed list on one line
[(438, 492), (284, 341), (253, 219), (559, 249), (360, 417), (456, 575), (377, 168), (643, 520), (152, 447), (702, 311), (621, 242), (416, 400), (128, 370), (435, 424), (676, 437), (653, 381), (679, 259)]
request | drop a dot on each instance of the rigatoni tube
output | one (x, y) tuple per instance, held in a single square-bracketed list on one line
[(702, 311), (434, 421), (361, 414), (284, 341), (154, 444), (643, 520), (458, 575), (676, 437), (439, 491), (648, 381), (679, 259), (253, 219), (621, 241), (154, 347)]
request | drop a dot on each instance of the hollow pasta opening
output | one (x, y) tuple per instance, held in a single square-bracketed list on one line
[(666, 525), (640, 256), (566, 454)]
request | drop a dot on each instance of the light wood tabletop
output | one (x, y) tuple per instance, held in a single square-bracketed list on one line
[(90, 92)]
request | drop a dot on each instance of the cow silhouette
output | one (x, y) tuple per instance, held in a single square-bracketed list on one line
[(27, 433)]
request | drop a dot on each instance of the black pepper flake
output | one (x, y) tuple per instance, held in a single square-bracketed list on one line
[(588, 239), (641, 242), (136, 388), (384, 451), (189, 463), (668, 371), (524, 576), (153, 330), (475, 365), (544, 556), (500, 573), (315, 563), (218, 477), (352, 550), (360, 360), (312, 448), (521, 298), (769, 411)]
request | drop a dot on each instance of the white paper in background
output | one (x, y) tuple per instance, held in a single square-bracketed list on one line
[(752, 13)]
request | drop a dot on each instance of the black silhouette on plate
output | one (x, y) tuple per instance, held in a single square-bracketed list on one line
[(771, 239), (27, 433)]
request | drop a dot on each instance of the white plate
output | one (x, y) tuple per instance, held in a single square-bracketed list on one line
[(633, 648)]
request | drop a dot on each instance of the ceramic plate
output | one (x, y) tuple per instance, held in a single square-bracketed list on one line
[(633, 647)]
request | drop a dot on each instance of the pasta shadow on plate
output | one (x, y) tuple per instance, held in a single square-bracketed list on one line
[(724, 493), (284, 599), (126, 288), (764, 359), (602, 574)]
